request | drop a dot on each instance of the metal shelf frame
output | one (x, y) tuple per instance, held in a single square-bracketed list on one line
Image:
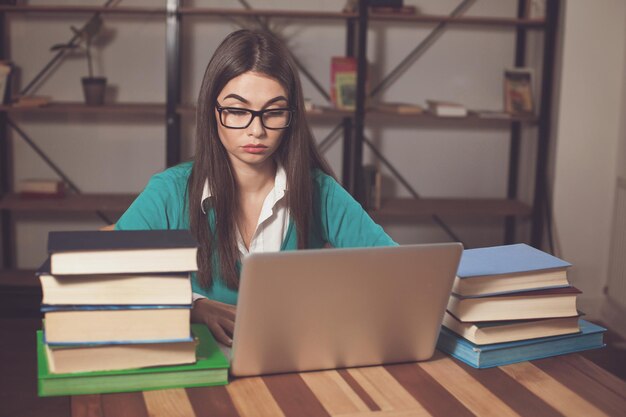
[(352, 124)]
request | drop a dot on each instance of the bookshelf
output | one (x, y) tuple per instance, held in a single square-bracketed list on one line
[(172, 110), (76, 107)]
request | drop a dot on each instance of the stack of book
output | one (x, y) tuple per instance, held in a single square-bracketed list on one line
[(513, 303), (446, 108), (117, 315)]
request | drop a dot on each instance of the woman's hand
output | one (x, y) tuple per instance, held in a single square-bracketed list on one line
[(218, 317)]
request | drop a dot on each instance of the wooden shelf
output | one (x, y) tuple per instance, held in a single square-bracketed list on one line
[(18, 278), (461, 20), (471, 119), (411, 209), (156, 109), (291, 14), (84, 9), (69, 203), (184, 11)]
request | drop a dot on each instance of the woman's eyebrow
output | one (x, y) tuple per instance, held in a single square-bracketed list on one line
[(243, 100), (275, 99), (237, 97)]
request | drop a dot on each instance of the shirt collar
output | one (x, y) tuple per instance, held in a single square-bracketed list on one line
[(280, 186)]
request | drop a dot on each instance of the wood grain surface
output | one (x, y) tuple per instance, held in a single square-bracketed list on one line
[(567, 385)]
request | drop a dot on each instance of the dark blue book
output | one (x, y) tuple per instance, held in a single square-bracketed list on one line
[(487, 356), (128, 251), (508, 268)]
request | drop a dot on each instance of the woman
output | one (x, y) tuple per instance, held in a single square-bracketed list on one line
[(256, 182)]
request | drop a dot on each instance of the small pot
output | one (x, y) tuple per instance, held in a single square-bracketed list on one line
[(94, 89)]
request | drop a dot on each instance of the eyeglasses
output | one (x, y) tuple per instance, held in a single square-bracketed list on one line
[(239, 118)]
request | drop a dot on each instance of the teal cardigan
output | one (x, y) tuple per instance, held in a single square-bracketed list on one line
[(339, 220)]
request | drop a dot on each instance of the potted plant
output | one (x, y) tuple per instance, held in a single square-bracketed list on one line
[(93, 87)]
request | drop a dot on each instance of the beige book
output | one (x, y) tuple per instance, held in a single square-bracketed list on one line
[(509, 331), (117, 325), (90, 358), (555, 302)]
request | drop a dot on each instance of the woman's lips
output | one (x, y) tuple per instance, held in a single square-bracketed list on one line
[(251, 148)]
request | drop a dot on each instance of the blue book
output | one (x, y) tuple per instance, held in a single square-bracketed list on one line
[(497, 354), (508, 268)]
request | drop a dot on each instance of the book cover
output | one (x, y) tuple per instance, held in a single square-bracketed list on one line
[(343, 82), (498, 354), (506, 259), (132, 251), (211, 368), (508, 269), (93, 240), (518, 95)]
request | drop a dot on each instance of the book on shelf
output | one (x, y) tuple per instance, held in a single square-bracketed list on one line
[(391, 10), (114, 289), (40, 188), (446, 108), (116, 324), (488, 332), (386, 3), (508, 268), (112, 357), (498, 354), (492, 114), (32, 101), (535, 304), (398, 108), (132, 251), (343, 75), (210, 368), (311, 107), (6, 71), (518, 93)]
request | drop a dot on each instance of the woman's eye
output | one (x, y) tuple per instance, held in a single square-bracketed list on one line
[(276, 113), (235, 112)]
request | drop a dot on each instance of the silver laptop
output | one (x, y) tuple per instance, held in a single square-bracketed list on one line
[(336, 308)]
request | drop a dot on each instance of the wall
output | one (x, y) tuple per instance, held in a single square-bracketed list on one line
[(111, 154), (590, 116)]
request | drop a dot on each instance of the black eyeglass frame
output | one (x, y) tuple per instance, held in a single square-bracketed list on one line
[(255, 113)]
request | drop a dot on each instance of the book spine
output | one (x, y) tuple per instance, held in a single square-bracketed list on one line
[(545, 349)]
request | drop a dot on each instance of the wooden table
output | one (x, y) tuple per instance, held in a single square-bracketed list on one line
[(566, 385)]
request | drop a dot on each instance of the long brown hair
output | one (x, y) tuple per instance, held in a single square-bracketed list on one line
[(240, 52)]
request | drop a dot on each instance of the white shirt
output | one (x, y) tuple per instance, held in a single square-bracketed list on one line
[(273, 221)]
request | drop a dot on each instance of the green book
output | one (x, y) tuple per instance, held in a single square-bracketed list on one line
[(211, 368)]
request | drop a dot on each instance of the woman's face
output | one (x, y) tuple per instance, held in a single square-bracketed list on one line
[(255, 144)]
